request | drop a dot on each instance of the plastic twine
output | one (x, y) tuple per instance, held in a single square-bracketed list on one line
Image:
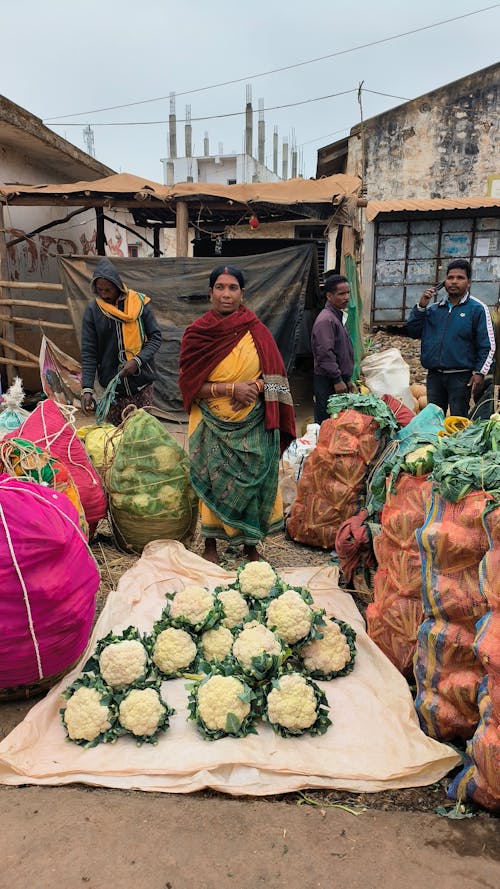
[(104, 403), (25, 593)]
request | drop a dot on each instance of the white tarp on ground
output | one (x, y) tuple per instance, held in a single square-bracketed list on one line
[(374, 744)]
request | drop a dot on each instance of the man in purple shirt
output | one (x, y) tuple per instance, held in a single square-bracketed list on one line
[(332, 347)]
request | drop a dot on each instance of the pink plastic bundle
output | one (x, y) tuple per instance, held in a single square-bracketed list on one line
[(48, 582), (49, 428)]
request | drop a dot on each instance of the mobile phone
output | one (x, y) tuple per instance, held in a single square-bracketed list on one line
[(439, 286)]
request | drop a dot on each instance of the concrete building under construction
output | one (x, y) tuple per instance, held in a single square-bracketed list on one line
[(233, 168)]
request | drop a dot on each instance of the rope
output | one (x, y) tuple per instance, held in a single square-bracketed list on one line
[(104, 403), (68, 412), (25, 592)]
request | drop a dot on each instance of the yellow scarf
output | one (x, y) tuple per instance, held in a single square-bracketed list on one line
[(130, 318)]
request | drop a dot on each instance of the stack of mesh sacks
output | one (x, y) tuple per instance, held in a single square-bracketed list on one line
[(393, 618), (331, 487), (479, 779), (452, 544)]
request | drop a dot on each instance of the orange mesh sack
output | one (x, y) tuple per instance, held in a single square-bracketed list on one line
[(448, 672), (479, 779), (394, 616), (332, 485)]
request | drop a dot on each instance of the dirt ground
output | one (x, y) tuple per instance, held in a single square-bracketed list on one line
[(79, 836)]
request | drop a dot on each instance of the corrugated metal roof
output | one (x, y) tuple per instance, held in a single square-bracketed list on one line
[(373, 208)]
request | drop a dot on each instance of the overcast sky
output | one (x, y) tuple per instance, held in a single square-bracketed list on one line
[(61, 58)]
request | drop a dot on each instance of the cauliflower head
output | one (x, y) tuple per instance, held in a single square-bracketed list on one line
[(256, 579), (331, 655), (290, 616), (296, 705), (223, 707), (86, 715), (216, 644), (192, 606), (254, 641), (122, 663), (142, 712), (234, 606), (174, 650)]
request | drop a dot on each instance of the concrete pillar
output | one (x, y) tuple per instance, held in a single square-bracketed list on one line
[(181, 228)]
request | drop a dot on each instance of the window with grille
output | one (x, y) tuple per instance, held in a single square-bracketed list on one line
[(315, 233), (412, 255)]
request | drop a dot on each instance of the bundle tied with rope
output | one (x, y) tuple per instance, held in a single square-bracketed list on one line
[(146, 473)]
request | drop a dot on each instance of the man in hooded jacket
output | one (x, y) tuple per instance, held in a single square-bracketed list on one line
[(120, 335)]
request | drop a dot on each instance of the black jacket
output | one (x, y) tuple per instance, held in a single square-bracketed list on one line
[(101, 337)]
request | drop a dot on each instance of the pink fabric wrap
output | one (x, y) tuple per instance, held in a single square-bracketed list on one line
[(48, 583), (48, 428)]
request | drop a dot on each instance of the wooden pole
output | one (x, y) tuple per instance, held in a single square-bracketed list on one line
[(19, 350), (35, 304), (156, 241), (6, 326), (30, 285), (30, 322), (182, 223), (100, 236)]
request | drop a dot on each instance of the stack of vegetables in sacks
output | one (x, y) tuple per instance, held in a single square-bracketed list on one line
[(251, 650), (479, 780), (453, 544), (147, 479), (51, 427), (332, 486), (48, 583), (400, 485)]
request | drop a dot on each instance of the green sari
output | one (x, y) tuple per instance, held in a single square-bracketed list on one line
[(234, 471)]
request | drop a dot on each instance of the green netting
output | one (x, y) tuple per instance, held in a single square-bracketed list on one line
[(148, 484)]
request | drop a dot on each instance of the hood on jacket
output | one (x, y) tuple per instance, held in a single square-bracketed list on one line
[(106, 269)]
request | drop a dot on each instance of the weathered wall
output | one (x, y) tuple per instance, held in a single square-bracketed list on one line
[(443, 144)]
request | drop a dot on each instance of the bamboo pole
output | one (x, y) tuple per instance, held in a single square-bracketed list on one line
[(19, 362), (19, 349), (34, 303), (30, 322), (7, 327), (30, 285)]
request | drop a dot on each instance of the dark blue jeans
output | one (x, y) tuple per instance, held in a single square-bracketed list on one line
[(449, 390)]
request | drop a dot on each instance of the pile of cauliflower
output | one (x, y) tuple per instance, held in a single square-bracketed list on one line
[(251, 650)]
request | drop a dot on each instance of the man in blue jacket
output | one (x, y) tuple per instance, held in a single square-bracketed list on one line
[(457, 341), (332, 347)]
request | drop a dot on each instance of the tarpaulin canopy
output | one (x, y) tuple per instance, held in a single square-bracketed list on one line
[(280, 286), (291, 198)]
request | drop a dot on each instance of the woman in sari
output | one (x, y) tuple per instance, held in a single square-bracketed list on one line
[(235, 390)]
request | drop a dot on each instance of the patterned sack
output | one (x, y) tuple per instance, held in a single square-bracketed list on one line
[(331, 487), (396, 613), (150, 495), (48, 580), (479, 780), (51, 427), (448, 672), (25, 460)]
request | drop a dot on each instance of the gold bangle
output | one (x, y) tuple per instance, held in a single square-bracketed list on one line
[(232, 390), (212, 391)]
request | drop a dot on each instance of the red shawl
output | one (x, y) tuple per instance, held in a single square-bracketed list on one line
[(211, 338)]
